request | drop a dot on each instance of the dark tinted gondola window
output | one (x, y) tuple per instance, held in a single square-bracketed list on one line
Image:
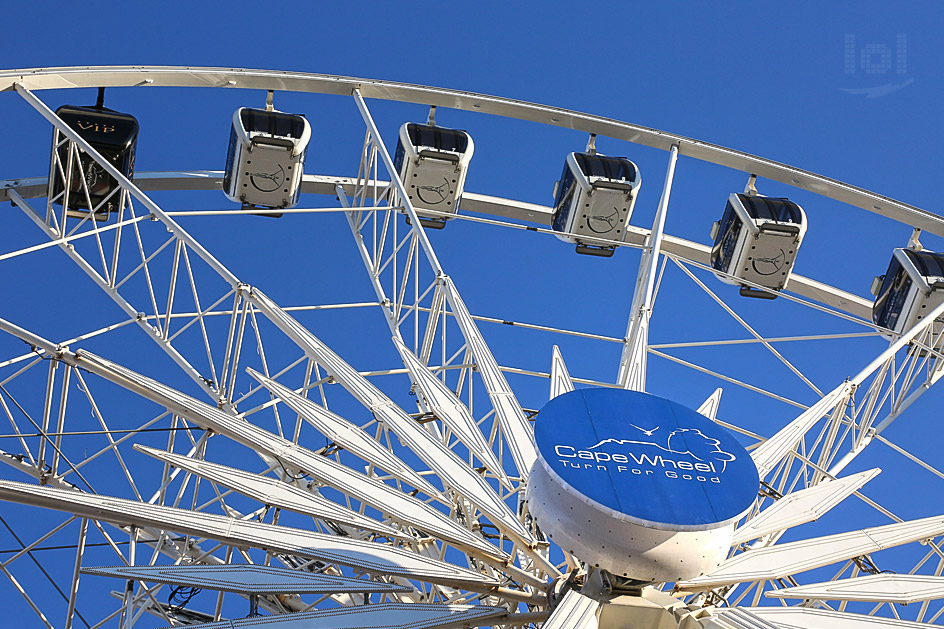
[(615, 168), (728, 232), (273, 123), (437, 138), (565, 191), (770, 208), (230, 159), (928, 263), (891, 296)]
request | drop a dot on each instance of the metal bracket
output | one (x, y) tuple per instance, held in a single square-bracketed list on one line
[(592, 144), (431, 118), (914, 243), (751, 188), (270, 96)]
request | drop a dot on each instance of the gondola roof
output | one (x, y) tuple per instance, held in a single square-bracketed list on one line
[(772, 208), (613, 168), (438, 138), (272, 122)]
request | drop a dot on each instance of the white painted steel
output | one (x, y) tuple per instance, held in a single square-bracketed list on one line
[(560, 377), (347, 434), (767, 455), (370, 557), (808, 618), (575, 611), (733, 618), (395, 504), (450, 468), (902, 589), (773, 455), (519, 434), (632, 367), (783, 560), (382, 616), (709, 408), (248, 579), (443, 403), (157, 76), (802, 506), (471, 203), (274, 493)]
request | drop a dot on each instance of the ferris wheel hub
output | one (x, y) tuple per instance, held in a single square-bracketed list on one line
[(637, 485)]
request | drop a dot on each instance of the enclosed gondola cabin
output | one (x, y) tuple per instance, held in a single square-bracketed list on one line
[(433, 163), (266, 158), (757, 240), (912, 287), (91, 189), (593, 201)]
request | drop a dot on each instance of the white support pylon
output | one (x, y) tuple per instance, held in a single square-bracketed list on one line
[(632, 369)]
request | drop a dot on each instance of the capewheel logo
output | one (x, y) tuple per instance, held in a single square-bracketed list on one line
[(646, 457)]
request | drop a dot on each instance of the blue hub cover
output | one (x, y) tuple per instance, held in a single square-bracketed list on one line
[(651, 460)]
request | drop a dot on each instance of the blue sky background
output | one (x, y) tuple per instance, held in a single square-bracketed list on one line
[(769, 79)]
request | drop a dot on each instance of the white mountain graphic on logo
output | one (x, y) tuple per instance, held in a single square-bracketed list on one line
[(686, 441)]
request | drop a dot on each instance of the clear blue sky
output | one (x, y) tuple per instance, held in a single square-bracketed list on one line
[(772, 79)]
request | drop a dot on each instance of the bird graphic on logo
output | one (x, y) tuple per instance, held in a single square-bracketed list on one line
[(433, 195), (648, 432), (772, 263), (268, 182)]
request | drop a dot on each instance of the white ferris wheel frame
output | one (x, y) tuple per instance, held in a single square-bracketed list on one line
[(366, 200)]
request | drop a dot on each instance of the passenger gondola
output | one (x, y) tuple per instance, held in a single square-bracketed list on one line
[(912, 286), (757, 240), (266, 157), (593, 200), (432, 163), (111, 133)]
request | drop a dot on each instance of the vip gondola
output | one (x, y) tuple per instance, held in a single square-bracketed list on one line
[(266, 158), (593, 201), (757, 240), (912, 287), (91, 189), (432, 163)]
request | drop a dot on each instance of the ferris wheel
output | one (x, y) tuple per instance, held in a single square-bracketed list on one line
[(440, 415)]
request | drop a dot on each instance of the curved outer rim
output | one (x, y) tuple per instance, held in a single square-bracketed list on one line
[(176, 76), (625, 517)]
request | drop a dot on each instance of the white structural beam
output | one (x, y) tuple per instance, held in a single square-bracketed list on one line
[(394, 504), (879, 588), (802, 506), (471, 202), (809, 618), (709, 408), (453, 471), (273, 492), (370, 557), (518, 432), (575, 611), (382, 616), (561, 381), (769, 454), (347, 434), (443, 403), (247, 579), (170, 76), (632, 367), (783, 560), (389, 501)]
